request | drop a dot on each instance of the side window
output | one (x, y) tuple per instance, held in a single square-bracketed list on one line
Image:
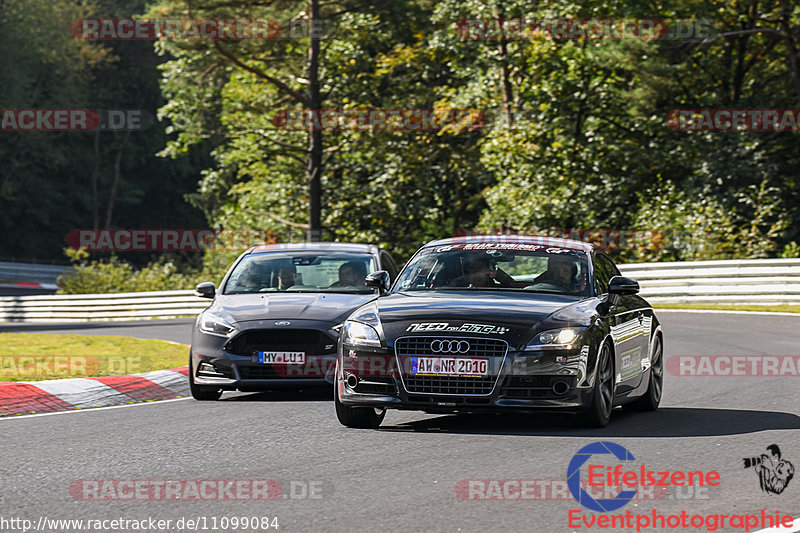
[(614, 269), (604, 270), (388, 265)]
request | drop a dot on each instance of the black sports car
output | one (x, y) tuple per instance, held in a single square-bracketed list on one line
[(501, 323), (276, 318)]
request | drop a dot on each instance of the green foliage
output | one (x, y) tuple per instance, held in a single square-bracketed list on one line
[(53, 182), (791, 250), (114, 275), (587, 147)]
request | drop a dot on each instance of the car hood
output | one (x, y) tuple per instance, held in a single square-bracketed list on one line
[(329, 306), (515, 316)]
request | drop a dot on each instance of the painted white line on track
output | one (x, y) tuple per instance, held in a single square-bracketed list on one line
[(727, 312), (795, 527), (90, 410)]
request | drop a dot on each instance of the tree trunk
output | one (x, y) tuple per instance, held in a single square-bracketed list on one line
[(314, 167), (112, 195), (786, 29), (95, 172), (504, 72)]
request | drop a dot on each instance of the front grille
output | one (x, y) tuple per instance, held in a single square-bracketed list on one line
[(258, 372), (310, 341), (448, 385), (478, 347), (535, 387), (407, 346), (316, 368)]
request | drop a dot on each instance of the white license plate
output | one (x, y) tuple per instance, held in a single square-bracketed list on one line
[(282, 358), (449, 366)]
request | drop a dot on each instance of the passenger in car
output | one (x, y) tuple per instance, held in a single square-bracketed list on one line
[(351, 274), (560, 270)]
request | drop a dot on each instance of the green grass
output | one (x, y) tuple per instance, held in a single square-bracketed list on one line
[(733, 307), (38, 356)]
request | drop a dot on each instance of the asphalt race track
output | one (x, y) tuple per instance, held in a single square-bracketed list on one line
[(404, 477)]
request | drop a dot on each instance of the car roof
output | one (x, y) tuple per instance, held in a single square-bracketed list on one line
[(316, 246), (521, 239)]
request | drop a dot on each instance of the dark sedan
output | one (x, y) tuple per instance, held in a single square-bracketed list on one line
[(276, 318), (501, 324)]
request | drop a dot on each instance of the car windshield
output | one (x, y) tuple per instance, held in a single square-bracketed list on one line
[(301, 272), (497, 266)]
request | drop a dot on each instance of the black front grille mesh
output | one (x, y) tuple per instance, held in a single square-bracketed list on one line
[(450, 385), (455, 385), (310, 341), (377, 385), (408, 346), (535, 387)]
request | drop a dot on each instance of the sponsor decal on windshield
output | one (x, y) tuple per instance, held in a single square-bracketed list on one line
[(548, 244), (464, 328)]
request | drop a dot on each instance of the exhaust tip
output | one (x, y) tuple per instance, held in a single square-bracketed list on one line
[(352, 381), (560, 388)]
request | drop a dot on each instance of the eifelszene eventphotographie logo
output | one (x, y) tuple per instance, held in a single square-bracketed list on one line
[(774, 473)]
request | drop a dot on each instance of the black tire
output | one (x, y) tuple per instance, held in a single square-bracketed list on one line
[(599, 413), (201, 392), (652, 397), (358, 417)]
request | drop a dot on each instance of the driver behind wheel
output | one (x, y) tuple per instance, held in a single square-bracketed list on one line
[(479, 271), (351, 274), (560, 270), (286, 277)]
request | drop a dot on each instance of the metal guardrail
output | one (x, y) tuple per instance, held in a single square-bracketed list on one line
[(31, 272), (751, 281), (91, 307), (756, 281)]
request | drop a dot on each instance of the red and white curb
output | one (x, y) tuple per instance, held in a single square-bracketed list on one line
[(27, 397)]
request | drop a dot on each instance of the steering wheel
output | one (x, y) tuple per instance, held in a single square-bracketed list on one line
[(551, 284)]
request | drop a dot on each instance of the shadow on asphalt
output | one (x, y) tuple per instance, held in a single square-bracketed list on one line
[(312, 394), (666, 422)]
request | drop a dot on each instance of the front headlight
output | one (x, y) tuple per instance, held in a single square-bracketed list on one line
[(555, 338), (358, 333), (214, 325)]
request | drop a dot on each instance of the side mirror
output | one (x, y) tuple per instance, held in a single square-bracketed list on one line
[(621, 285), (205, 290), (378, 280)]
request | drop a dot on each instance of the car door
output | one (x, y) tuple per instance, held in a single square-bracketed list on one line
[(629, 325)]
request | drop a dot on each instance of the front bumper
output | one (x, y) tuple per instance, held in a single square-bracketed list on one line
[(230, 364), (231, 372), (546, 380)]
